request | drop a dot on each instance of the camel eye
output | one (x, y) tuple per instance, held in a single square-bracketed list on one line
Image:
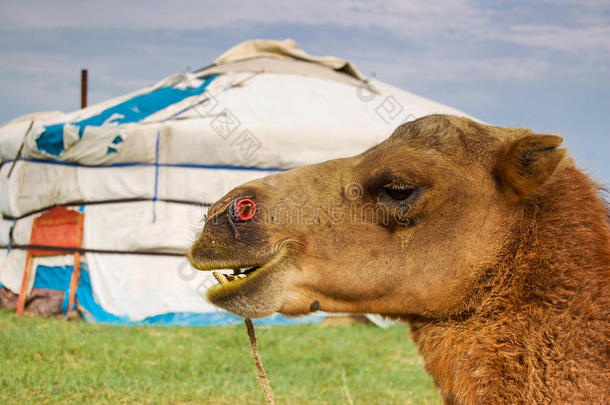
[(399, 194)]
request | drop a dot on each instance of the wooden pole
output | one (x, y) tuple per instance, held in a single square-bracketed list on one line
[(24, 284), (73, 284), (83, 88)]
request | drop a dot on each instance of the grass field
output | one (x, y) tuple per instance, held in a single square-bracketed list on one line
[(44, 361)]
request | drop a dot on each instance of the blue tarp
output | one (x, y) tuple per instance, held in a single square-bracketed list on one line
[(135, 109), (58, 278)]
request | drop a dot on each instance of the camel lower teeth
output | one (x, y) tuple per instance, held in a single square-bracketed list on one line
[(220, 277)]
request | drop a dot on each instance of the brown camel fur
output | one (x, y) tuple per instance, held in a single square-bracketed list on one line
[(487, 241)]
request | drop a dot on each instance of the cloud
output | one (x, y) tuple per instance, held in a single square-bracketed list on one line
[(588, 40), (499, 60), (193, 14), (456, 28), (409, 18)]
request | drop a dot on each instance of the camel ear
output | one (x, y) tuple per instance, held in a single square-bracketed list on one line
[(526, 163)]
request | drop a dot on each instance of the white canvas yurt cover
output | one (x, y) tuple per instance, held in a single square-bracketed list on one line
[(143, 168)]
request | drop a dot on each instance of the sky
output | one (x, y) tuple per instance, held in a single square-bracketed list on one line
[(542, 64)]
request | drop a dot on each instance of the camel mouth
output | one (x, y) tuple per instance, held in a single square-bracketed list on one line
[(254, 290), (243, 279), (258, 284)]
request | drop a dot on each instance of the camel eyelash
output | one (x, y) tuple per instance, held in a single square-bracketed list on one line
[(399, 185), (386, 183), (398, 191)]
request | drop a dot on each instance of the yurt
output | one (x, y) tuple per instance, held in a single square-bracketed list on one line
[(99, 206)]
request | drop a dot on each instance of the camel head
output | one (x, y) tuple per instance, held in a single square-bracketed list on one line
[(405, 228)]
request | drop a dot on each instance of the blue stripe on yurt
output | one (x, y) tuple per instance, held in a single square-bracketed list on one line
[(223, 318), (53, 277), (132, 110), (52, 139), (130, 164), (156, 191), (58, 278)]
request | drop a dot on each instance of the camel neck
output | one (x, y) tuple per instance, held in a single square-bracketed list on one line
[(564, 246), (546, 300)]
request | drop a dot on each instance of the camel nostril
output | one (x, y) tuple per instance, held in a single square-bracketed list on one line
[(243, 209)]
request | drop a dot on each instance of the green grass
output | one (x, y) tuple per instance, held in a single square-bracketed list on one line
[(46, 361)]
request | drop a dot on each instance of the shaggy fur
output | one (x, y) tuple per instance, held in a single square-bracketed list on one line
[(539, 327)]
